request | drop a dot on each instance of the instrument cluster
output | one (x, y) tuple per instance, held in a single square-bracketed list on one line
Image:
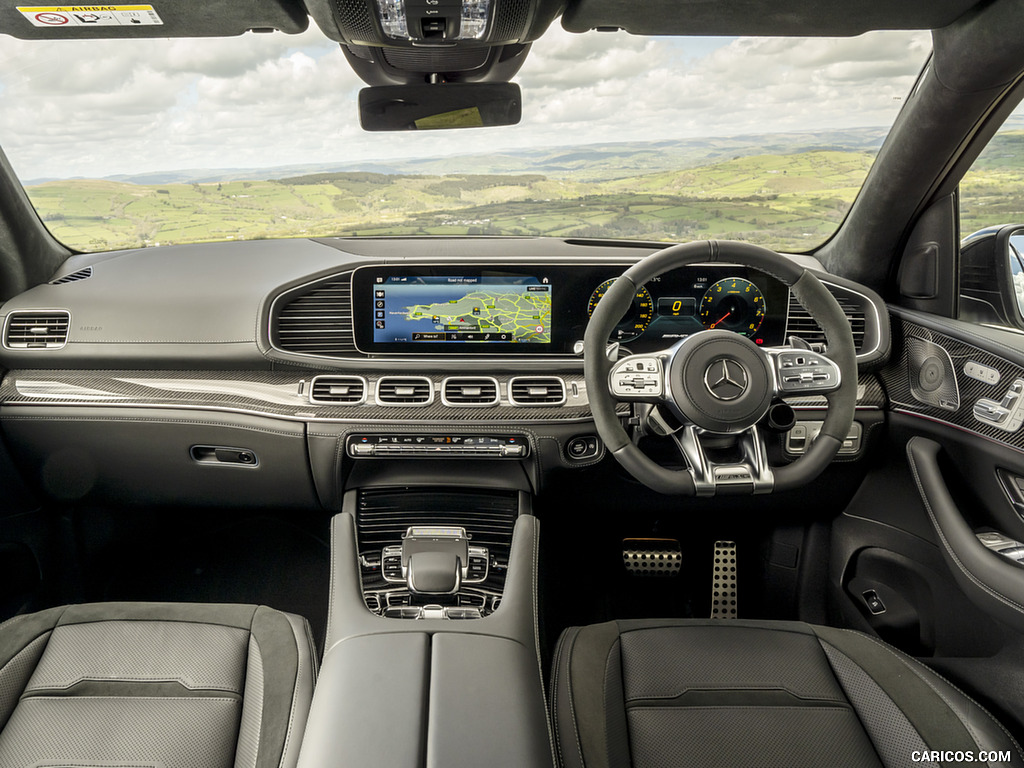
[(692, 299)]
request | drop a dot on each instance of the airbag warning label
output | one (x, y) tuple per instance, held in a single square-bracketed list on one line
[(90, 15)]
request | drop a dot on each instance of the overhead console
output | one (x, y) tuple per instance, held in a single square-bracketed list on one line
[(394, 22)]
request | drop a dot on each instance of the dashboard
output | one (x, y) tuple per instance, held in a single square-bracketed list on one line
[(260, 373)]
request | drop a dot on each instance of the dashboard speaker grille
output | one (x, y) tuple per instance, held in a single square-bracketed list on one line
[(318, 321), (470, 390), (345, 390), (405, 390), (802, 325), (37, 330), (536, 390)]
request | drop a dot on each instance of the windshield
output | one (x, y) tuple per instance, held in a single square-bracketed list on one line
[(131, 143)]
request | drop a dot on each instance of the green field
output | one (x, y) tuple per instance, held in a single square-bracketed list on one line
[(788, 201)]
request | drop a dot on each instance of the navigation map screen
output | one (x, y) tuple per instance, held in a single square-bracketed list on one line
[(461, 309)]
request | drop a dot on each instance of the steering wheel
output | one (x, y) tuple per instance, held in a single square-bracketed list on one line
[(717, 382)]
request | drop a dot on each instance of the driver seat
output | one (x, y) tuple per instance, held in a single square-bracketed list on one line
[(770, 694)]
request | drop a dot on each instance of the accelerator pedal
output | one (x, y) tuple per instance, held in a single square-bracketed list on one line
[(652, 557), (723, 589)]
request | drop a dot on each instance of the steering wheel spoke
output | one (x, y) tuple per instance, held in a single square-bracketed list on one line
[(750, 473), (800, 372)]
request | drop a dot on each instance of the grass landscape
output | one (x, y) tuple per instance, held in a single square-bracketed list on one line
[(791, 198)]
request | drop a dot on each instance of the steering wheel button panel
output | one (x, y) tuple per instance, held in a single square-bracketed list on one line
[(798, 371), (637, 377)]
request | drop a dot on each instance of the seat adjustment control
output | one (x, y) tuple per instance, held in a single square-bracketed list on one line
[(1007, 413)]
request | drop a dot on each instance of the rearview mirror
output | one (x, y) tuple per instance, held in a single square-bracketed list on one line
[(436, 106)]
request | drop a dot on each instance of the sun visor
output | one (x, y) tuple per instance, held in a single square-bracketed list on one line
[(34, 20), (825, 18)]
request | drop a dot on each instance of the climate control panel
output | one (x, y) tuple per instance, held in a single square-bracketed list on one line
[(363, 446)]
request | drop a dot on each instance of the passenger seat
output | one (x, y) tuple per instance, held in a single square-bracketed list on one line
[(174, 685)]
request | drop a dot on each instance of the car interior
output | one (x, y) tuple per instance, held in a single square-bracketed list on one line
[(461, 500)]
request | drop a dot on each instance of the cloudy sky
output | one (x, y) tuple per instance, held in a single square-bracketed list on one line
[(101, 108)]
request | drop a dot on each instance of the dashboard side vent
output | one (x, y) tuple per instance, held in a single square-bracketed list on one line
[(405, 390), (317, 321), (343, 390), (536, 390), (73, 277), (801, 323), (37, 330), (469, 390)]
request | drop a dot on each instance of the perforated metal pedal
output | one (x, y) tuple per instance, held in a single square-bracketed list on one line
[(652, 557), (723, 589)]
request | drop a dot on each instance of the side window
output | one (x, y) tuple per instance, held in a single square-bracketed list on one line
[(992, 228)]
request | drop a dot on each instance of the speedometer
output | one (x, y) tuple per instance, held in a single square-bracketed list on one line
[(734, 304), (637, 317)]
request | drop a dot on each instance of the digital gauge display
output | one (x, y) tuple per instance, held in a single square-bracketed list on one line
[(637, 317), (733, 304)]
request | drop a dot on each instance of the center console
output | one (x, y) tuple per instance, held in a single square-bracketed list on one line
[(432, 654), (401, 530)]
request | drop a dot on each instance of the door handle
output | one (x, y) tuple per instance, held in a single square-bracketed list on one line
[(993, 583)]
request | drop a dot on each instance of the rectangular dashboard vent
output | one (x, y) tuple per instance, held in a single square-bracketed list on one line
[(318, 321), (73, 277), (536, 390), (342, 390), (802, 325), (37, 330), (469, 390), (405, 390)]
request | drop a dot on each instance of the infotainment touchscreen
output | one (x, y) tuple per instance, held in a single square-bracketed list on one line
[(461, 309)]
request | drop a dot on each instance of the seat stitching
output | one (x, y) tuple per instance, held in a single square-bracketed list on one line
[(295, 696), (572, 706), (259, 726), (912, 667), (991, 591), (554, 695), (536, 641)]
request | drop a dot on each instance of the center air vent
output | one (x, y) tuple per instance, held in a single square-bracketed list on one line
[(73, 277), (802, 325), (37, 330), (344, 390), (536, 390), (318, 320), (469, 391), (405, 390)]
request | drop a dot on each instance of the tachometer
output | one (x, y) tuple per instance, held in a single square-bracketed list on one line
[(637, 317), (734, 304)]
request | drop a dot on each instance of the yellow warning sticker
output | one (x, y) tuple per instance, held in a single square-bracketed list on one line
[(91, 15)]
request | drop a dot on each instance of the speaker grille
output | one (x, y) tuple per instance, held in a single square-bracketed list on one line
[(413, 60), (510, 20), (354, 20)]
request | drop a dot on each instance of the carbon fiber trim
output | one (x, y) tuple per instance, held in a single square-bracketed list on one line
[(869, 395), (900, 380), (266, 393)]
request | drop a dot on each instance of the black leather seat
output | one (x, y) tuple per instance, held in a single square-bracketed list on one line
[(151, 684), (655, 694)]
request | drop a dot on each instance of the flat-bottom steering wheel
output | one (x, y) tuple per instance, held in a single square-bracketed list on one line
[(718, 382)]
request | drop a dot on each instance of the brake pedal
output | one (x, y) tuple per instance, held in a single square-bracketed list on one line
[(652, 557), (723, 588)]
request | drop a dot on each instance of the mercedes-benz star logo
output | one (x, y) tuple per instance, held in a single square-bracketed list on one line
[(725, 379)]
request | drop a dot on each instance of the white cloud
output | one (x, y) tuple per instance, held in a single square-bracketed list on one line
[(109, 107)]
